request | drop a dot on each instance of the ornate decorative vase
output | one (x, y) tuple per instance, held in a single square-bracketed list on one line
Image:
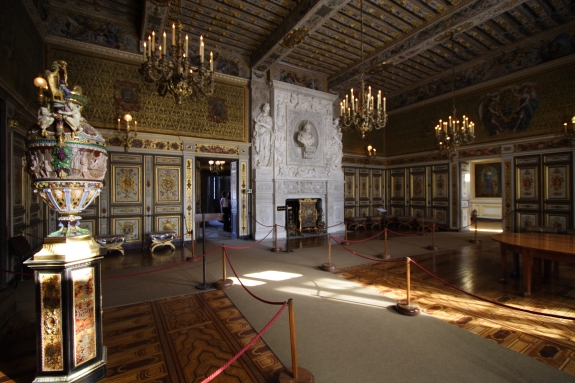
[(66, 156)]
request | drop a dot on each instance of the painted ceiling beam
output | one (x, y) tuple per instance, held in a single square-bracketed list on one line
[(468, 14), (155, 17), (305, 18)]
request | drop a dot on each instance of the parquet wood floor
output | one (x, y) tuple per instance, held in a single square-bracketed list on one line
[(179, 339), (549, 340), (160, 340)]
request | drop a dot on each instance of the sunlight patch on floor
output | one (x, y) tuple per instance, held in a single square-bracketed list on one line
[(272, 275), (247, 282)]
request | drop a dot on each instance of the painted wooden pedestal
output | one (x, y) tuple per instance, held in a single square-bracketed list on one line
[(69, 342)]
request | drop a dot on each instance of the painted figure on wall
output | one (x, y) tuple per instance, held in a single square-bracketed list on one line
[(263, 136), (488, 180), (509, 110)]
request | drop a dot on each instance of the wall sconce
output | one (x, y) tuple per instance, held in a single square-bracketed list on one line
[(371, 154), (570, 133), (125, 133), (216, 166), (42, 85)]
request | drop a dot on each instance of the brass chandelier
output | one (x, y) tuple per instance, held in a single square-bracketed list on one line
[(173, 73), (363, 113), (216, 166), (450, 134)]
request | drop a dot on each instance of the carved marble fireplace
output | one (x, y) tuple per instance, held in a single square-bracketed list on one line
[(304, 159)]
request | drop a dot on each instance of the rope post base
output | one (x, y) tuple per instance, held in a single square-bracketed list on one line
[(223, 284), (205, 286), (328, 267), (303, 376), (407, 308), (276, 248)]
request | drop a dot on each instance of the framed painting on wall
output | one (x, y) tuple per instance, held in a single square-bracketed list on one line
[(557, 182), (350, 186), (377, 188), (171, 223), (129, 227), (440, 185), (440, 215), (418, 186), (397, 184), (126, 181), (363, 186), (527, 183), (488, 180), (559, 221), (527, 219), (168, 184)]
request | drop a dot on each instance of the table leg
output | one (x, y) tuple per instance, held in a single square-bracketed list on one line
[(515, 271), (537, 273), (503, 263), (526, 259)]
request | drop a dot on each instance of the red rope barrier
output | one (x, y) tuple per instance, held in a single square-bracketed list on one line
[(250, 246), (364, 256), (245, 288), (250, 343), (485, 299)]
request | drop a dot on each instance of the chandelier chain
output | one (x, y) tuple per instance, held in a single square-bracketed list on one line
[(452, 133), (365, 112)]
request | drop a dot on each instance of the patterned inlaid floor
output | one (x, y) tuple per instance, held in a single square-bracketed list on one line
[(178, 339), (476, 270)]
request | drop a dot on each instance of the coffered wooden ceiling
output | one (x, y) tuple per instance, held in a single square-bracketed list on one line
[(405, 42)]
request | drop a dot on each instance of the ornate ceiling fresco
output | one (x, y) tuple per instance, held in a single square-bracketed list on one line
[(407, 44)]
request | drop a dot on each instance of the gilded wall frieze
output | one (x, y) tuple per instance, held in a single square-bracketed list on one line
[(217, 149), (137, 143)]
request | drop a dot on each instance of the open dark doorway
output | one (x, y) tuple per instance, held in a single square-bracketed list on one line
[(211, 183)]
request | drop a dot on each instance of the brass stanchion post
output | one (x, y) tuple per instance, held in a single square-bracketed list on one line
[(276, 248), (224, 283), (406, 307), (432, 246), (475, 240), (385, 255), (345, 242), (295, 374), (328, 266)]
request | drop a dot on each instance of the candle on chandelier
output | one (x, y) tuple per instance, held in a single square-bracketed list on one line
[(379, 100), (145, 48), (573, 122), (211, 61), (186, 50), (150, 46), (153, 41), (164, 42), (173, 34), (118, 124), (384, 104), (202, 49), (160, 51), (135, 126), (352, 100)]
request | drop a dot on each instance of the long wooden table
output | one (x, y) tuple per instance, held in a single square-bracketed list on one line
[(533, 247)]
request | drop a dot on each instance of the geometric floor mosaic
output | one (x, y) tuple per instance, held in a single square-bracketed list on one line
[(477, 269)]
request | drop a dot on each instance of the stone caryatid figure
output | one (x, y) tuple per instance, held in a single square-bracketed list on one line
[(263, 136)]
